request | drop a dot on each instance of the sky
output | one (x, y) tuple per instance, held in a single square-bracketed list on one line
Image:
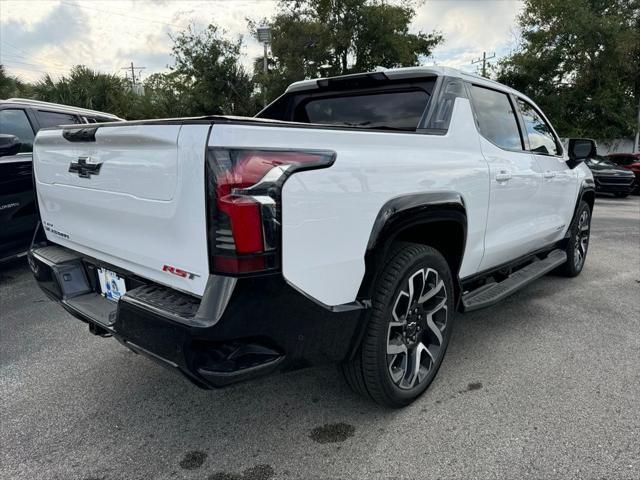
[(38, 36)]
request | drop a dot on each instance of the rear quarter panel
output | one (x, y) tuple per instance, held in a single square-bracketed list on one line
[(328, 214)]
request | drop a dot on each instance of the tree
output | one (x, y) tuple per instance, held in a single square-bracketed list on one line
[(11, 86), (165, 96), (580, 61), (312, 38), (86, 88), (207, 77)]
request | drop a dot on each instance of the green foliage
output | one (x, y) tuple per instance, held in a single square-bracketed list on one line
[(11, 86), (313, 38), (86, 88), (208, 77), (580, 61)]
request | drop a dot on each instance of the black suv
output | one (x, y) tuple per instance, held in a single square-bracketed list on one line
[(610, 178), (20, 120)]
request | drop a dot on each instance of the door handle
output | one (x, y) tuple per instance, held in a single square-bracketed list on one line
[(549, 174), (503, 176)]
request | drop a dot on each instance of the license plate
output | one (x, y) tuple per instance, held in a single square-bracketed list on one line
[(111, 284)]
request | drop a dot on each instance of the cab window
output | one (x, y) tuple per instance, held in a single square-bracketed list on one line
[(14, 121), (496, 117), (541, 138)]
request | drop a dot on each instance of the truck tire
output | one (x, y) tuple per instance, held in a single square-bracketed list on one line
[(408, 327), (578, 242)]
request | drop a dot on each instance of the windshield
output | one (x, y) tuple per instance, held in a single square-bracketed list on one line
[(600, 162)]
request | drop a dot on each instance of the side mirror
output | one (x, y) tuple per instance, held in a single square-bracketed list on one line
[(580, 149), (9, 145)]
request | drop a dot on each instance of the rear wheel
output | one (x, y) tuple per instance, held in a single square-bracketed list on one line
[(408, 327), (578, 242)]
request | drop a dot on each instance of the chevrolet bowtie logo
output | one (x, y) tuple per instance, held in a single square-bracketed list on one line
[(83, 168)]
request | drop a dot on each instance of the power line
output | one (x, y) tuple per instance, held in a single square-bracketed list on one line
[(29, 69), (17, 59), (27, 55), (4, 62)]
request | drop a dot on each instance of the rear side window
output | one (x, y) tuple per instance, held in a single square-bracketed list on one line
[(541, 138), (53, 119), (496, 117), (392, 110), (15, 122)]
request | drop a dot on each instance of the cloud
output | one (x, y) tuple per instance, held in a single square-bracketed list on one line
[(469, 27), (105, 35), (58, 34)]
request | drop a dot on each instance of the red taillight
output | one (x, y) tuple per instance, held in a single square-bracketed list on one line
[(244, 205), (246, 222)]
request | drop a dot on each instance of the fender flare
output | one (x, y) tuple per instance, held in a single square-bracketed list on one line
[(588, 186), (427, 207), (406, 211), (397, 215)]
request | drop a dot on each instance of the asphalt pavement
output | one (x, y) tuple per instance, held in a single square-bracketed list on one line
[(544, 385)]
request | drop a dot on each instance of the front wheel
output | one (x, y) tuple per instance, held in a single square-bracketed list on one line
[(407, 329), (578, 242)]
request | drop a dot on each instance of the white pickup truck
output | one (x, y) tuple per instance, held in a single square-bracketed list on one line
[(345, 223)]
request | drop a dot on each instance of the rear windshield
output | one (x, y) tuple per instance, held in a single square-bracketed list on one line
[(392, 106), (392, 110)]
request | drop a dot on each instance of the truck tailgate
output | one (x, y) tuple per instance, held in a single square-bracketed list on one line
[(134, 197)]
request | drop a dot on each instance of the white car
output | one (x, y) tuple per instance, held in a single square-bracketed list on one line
[(346, 223)]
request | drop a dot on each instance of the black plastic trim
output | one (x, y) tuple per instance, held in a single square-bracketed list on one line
[(264, 314), (417, 203), (516, 262), (490, 294), (82, 134), (587, 185)]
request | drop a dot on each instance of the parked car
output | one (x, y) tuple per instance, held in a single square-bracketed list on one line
[(20, 120), (630, 161), (346, 223), (610, 178)]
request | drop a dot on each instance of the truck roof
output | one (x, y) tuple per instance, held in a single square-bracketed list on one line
[(406, 73), (59, 107)]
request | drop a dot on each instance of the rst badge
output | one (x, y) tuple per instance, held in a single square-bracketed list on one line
[(179, 272)]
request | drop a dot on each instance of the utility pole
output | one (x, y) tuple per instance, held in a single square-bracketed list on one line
[(133, 73), (264, 36), (484, 62)]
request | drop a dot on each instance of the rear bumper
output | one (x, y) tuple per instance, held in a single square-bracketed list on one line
[(231, 334)]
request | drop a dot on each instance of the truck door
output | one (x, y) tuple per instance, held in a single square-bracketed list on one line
[(512, 223), (17, 207), (558, 180)]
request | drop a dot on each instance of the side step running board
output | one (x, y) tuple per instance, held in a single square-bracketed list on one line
[(494, 292)]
